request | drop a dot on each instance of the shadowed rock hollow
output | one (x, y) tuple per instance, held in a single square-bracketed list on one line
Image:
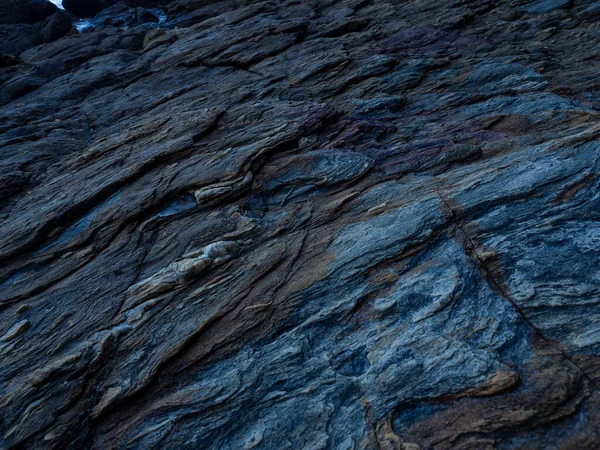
[(321, 224)]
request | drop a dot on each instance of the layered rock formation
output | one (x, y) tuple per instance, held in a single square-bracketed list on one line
[(27, 23), (324, 224)]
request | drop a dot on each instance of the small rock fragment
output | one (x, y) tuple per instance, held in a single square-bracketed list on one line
[(16, 330)]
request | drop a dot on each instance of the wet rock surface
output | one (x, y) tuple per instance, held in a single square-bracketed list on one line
[(348, 225)]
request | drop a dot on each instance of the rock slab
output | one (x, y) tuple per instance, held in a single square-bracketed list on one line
[(281, 225)]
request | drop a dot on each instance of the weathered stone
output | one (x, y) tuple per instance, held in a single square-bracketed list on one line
[(55, 27), (345, 225)]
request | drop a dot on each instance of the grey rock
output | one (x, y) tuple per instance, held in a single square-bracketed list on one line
[(282, 225), (55, 27)]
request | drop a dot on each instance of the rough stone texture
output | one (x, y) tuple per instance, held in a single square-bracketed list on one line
[(323, 224), (16, 38), (27, 23)]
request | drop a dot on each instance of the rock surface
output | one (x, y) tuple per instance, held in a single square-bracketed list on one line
[(27, 23), (320, 224), (25, 11)]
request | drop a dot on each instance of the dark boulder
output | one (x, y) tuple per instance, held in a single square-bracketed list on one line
[(17, 38), (25, 11), (145, 16), (122, 15), (118, 15), (55, 27), (87, 8)]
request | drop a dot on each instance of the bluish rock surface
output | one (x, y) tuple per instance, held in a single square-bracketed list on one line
[(301, 225)]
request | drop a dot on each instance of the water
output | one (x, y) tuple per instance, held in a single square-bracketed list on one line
[(81, 25), (84, 24)]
